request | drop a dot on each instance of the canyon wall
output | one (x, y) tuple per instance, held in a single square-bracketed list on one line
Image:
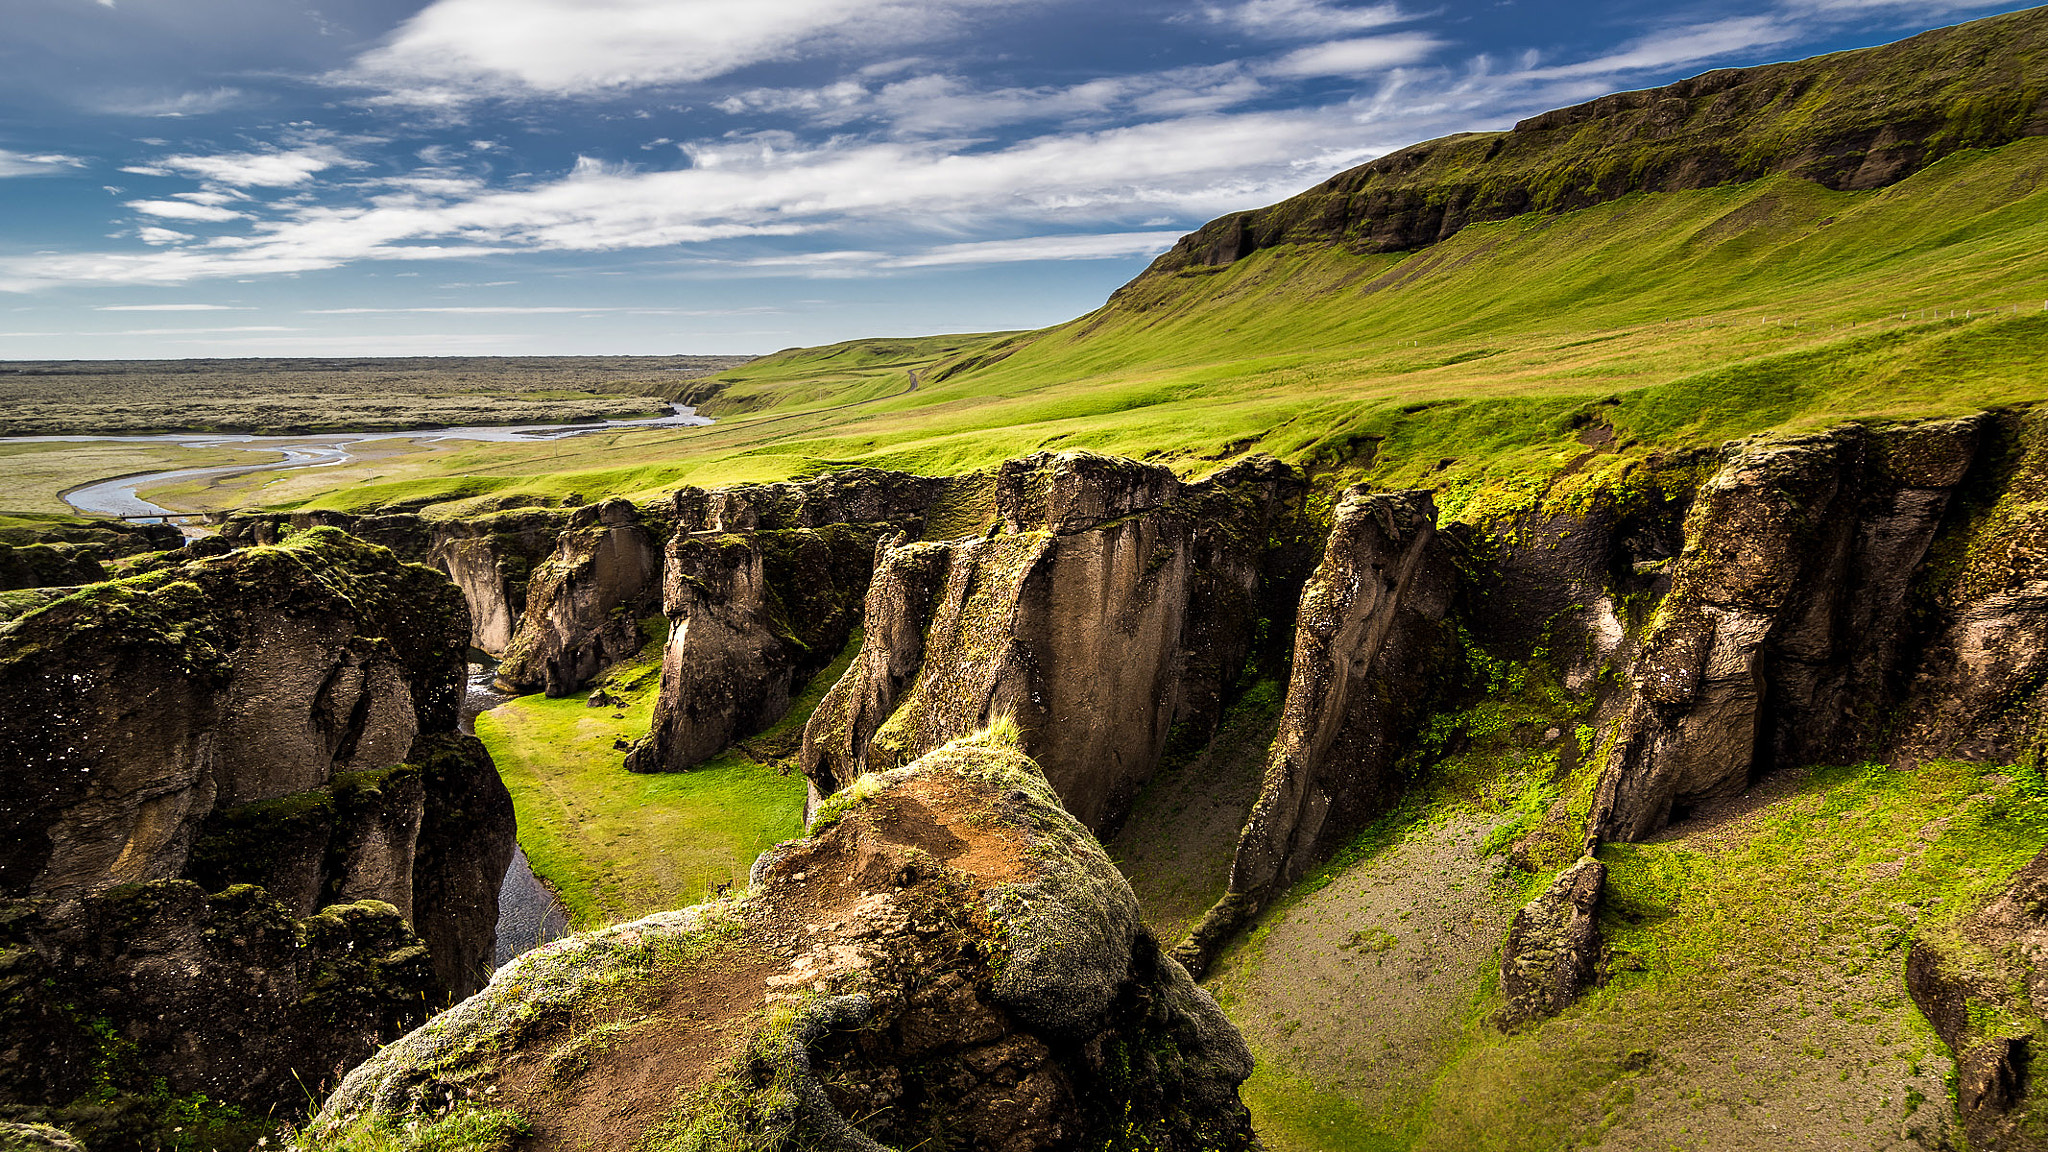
[(233, 786)]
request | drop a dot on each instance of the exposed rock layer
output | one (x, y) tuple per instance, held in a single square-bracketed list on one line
[(1849, 121), (1113, 603), (1553, 947), (962, 963), (762, 589), (1369, 640), (584, 602)]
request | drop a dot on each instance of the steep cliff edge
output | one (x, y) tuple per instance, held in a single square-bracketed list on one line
[(1369, 642), (949, 957), (1113, 603), (1788, 634), (275, 725), (762, 588), (585, 601), (1851, 120)]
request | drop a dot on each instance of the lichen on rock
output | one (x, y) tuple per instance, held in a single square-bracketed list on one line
[(949, 955)]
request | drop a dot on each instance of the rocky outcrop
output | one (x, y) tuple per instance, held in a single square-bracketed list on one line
[(1984, 987), (1083, 619), (275, 722), (49, 565), (1788, 630), (1553, 947), (1369, 639), (1849, 121), (763, 588), (584, 603), (490, 556), (114, 1004), (948, 959)]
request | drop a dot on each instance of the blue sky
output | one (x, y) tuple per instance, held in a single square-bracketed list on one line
[(528, 177)]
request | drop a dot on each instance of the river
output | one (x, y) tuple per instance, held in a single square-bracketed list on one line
[(117, 496), (529, 912)]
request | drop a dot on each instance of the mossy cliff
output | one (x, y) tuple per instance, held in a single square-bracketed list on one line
[(585, 601), (277, 726), (1108, 604), (763, 586), (948, 960), (1849, 121)]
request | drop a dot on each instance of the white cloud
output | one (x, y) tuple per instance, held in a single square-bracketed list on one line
[(280, 169), (151, 234), (173, 308), (195, 331), (173, 106), (185, 210), (1102, 246), (458, 50), (35, 164), (1360, 57), (1303, 18), (1684, 45)]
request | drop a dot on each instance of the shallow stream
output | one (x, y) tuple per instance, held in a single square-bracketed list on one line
[(117, 496)]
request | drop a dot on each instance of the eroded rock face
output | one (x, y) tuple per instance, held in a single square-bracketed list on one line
[(1787, 629), (1085, 620), (49, 565), (763, 588), (1369, 639), (584, 603), (1553, 947), (276, 726), (228, 995), (1985, 991), (950, 959)]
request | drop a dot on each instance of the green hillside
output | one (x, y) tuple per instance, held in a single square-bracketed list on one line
[(1706, 314)]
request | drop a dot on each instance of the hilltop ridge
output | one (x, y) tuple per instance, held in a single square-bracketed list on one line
[(1850, 121)]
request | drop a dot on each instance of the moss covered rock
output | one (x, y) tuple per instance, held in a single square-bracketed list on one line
[(948, 960)]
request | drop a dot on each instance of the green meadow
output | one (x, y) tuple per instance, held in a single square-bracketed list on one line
[(1677, 319)]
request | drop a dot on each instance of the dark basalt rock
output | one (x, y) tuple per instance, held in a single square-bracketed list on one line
[(1985, 989), (276, 726), (1369, 639), (227, 995), (585, 601), (763, 588), (1553, 947), (1789, 627), (1084, 618), (49, 565)]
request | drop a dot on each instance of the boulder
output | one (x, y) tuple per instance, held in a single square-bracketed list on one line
[(949, 958), (1553, 947), (1984, 987)]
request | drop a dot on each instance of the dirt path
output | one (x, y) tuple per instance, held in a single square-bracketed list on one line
[(1364, 986)]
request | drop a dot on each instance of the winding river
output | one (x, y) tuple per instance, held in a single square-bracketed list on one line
[(117, 496)]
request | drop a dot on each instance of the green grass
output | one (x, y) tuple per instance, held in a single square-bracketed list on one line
[(1788, 939), (1777, 305), (618, 846)]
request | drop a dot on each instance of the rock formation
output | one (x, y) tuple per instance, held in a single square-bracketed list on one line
[(489, 556), (763, 588), (1369, 638), (276, 725), (1849, 120), (1553, 947), (585, 601), (1787, 629), (1984, 987), (948, 959), (49, 565), (1084, 620)]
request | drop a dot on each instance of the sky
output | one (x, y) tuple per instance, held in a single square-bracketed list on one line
[(187, 178)]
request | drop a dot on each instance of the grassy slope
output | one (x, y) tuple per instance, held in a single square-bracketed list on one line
[(617, 846), (1709, 314)]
